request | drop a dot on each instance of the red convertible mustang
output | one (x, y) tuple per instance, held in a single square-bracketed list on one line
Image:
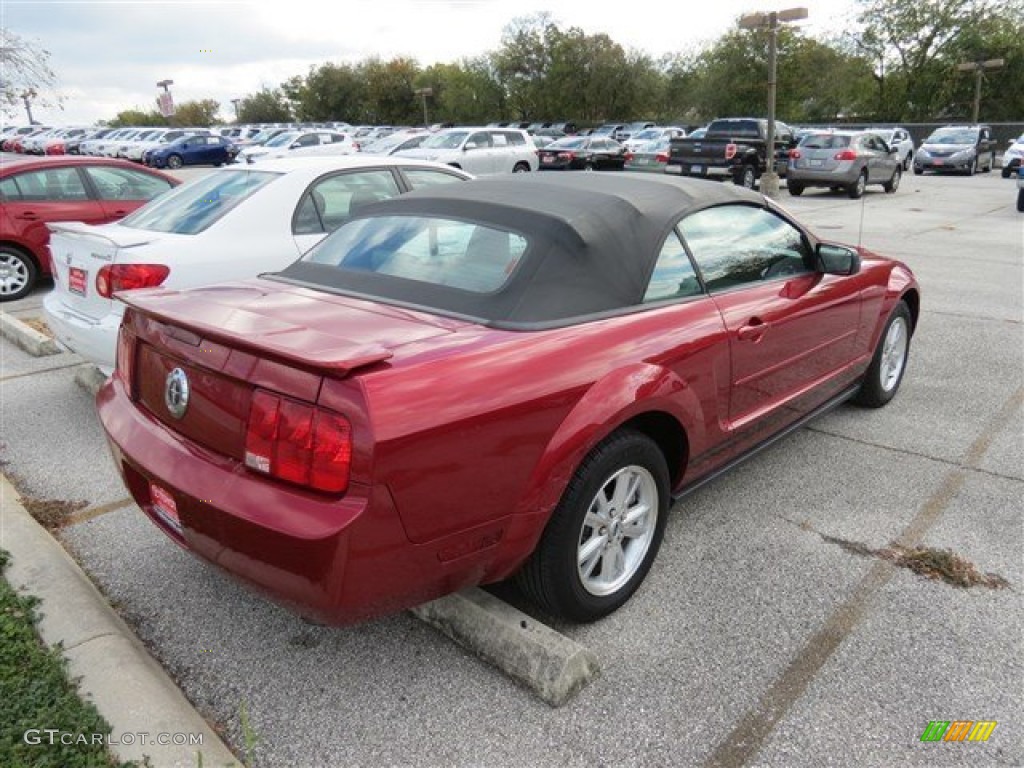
[(507, 377)]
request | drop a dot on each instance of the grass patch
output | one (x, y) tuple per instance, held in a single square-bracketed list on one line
[(932, 563), (36, 693), (51, 513)]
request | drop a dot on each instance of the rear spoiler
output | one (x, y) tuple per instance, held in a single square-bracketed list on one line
[(249, 331)]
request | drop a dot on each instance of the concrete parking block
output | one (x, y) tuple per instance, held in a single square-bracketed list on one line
[(550, 664), (90, 378), (128, 687), (27, 337)]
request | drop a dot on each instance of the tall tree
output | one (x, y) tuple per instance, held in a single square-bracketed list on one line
[(24, 73), (266, 106), (197, 113)]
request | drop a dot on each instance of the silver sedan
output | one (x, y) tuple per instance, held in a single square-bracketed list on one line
[(843, 160)]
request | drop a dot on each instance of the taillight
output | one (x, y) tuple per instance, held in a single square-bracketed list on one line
[(125, 360), (566, 155), (730, 151), (126, 277), (794, 154), (661, 157), (55, 149), (629, 157), (846, 154), (298, 442)]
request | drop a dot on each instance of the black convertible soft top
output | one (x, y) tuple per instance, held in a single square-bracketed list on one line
[(593, 241)]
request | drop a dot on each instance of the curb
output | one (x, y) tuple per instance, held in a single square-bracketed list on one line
[(129, 688), (28, 338), (547, 662)]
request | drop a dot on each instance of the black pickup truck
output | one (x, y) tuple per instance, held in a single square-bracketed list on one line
[(732, 148)]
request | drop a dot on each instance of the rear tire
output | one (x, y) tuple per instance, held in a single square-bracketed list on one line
[(856, 189), (885, 373), (1020, 200), (972, 168), (174, 162), (908, 161), (521, 168), (795, 189), (18, 273), (747, 178), (605, 532), (894, 183)]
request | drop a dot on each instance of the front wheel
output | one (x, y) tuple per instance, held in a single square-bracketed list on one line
[(174, 162), (1020, 200), (908, 160), (890, 361), (18, 274), (972, 167), (795, 189), (605, 533), (894, 183)]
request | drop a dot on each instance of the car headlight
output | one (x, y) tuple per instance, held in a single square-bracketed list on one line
[(923, 153)]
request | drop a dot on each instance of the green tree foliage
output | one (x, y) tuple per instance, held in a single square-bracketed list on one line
[(266, 106), (196, 113), (140, 117), (898, 63)]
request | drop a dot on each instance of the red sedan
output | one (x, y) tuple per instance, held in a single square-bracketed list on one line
[(37, 190), (507, 377)]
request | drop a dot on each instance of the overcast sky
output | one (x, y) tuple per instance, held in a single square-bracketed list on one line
[(109, 55)]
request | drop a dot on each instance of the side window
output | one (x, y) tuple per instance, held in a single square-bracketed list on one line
[(55, 184), (739, 245), (419, 178), (306, 141), (478, 140), (515, 138), (9, 190), (331, 201), (125, 184), (499, 139), (673, 276)]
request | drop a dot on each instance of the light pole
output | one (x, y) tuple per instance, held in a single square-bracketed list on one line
[(978, 68), (27, 96), (770, 21), (423, 93), (235, 103)]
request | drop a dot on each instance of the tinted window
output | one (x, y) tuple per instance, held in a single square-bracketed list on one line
[(736, 245), (514, 138), (126, 184), (193, 207), (331, 201), (673, 276), (422, 177), (9, 190), (457, 254)]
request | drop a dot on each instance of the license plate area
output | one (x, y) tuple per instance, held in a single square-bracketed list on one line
[(697, 169), (164, 506), (78, 280)]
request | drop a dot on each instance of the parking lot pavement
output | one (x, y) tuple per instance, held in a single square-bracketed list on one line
[(767, 633)]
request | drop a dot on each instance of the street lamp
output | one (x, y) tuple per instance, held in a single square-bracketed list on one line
[(978, 68), (423, 93), (27, 96), (164, 100), (770, 21), (235, 103)]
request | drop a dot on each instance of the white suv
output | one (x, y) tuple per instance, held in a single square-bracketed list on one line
[(480, 151)]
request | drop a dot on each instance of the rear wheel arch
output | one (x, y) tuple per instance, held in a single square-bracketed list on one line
[(913, 301), (670, 437)]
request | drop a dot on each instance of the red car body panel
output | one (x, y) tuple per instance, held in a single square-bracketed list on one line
[(23, 223)]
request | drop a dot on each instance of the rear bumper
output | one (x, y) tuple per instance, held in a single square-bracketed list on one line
[(93, 339), (700, 171), (812, 178), (334, 559)]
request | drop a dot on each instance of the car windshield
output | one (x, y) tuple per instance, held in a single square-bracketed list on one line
[(442, 252), (953, 136), (193, 207), (573, 143), (650, 133), (452, 140), (604, 130), (282, 139)]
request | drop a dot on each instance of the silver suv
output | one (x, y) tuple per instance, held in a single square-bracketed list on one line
[(479, 151)]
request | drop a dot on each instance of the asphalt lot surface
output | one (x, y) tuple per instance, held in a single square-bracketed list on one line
[(755, 639)]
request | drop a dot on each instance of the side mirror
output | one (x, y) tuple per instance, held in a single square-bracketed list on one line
[(837, 259), (894, 150)]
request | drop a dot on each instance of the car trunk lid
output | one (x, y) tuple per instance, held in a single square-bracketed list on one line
[(231, 340)]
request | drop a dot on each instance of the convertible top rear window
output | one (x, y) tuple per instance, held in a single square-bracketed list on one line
[(458, 254)]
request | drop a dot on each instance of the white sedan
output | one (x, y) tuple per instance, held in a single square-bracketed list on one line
[(231, 224), (300, 144)]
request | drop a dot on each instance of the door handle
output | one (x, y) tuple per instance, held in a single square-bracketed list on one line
[(28, 216), (118, 214), (753, 330)]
